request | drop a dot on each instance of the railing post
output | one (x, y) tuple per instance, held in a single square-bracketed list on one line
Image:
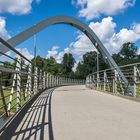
[(53, 80), (64, 81), (47, 80), (35, 90), (121, 85), (60, 80), (18, 83), (50, 80), (18, 68), (135, 81), (97, 80), (29, 82), (57, 81), (40, 79), (12, 92), (104, 80), (87, 81), (2, 95), (44, 80), (67, 81), (90, 81), (93, 81), (114, 82)]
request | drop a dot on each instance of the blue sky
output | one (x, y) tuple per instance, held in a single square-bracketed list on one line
[(115, 22)]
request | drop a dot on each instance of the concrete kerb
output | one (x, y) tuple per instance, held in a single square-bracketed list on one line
[(119, 95)]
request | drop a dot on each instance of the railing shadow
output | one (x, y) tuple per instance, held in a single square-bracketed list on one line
[(37, 121)]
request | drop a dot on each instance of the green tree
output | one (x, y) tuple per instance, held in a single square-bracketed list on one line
[(68, 63), (127, 55), (39, 61), (7, 76), (89, 64), (81, 72), (129, 50), (52, 66)]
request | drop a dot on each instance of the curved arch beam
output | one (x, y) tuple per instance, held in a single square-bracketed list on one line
[(21, 37)]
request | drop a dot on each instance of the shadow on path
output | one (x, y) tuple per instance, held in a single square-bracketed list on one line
[(37, 122)]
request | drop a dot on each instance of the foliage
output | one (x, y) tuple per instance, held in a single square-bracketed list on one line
[(127, 55), (67, 63), (128, 51), (89, 64), (48, 64), (7, 76)]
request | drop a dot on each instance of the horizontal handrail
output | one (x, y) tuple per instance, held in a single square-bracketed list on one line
[(22, 81)]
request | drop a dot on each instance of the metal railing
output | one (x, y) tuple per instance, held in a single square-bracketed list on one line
[(20, 80), (109, 80)]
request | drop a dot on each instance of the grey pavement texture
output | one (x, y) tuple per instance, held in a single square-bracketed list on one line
[(78, 113)]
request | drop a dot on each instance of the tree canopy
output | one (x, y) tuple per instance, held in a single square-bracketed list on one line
[(68, 63), (127, 54)]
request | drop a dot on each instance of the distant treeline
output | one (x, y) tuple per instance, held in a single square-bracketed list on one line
[(127, 55)]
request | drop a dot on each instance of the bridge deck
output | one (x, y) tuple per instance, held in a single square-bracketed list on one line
[(77, 113)]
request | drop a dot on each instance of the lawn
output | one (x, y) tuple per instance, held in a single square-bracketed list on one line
[(7, 92), (138, 89)]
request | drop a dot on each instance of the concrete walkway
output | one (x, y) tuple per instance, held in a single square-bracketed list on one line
[(78, 113)]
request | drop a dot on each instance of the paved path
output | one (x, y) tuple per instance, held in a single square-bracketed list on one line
[(77, 113)]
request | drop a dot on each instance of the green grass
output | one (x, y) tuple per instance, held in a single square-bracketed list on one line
[(7, 92), (138, 90)]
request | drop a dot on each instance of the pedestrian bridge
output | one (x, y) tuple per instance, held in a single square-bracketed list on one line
[(38, 105), (78, 113)]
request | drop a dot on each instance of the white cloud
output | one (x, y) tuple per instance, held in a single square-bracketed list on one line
[(111, 39), (4, 58), (106, 32), (56, 54), (94, 8), (25, 52), (16, 7), (75, 65), (3, 32), (53, 52)]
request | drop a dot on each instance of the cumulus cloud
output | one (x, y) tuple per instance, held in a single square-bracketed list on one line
[(111, 39), (75, 65), (94, 8), (4, 58), (106, 31), (25, 52), (16, 7), (54, 52), (3, 32)]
